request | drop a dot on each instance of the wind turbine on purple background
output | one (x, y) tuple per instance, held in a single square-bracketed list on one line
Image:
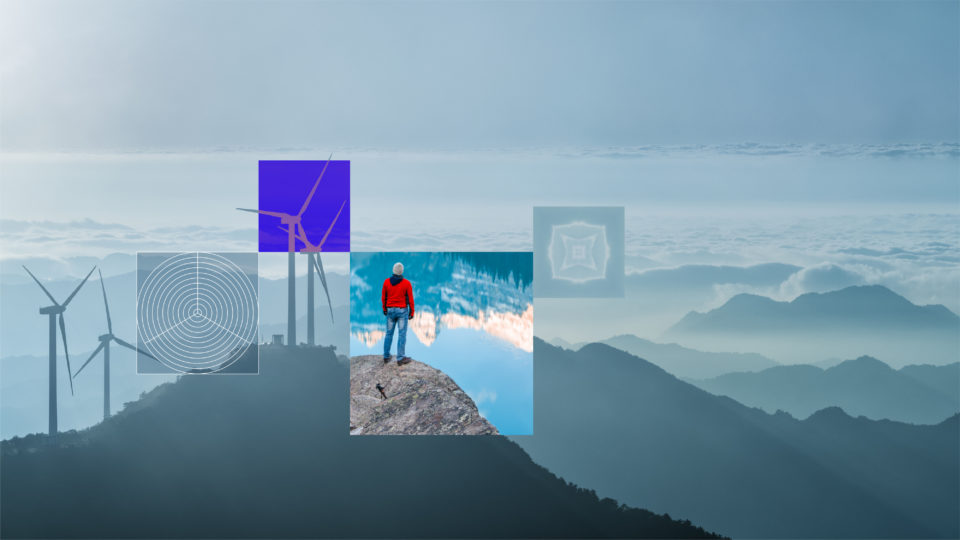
[(293, 223), (55, 315), (105, 340)]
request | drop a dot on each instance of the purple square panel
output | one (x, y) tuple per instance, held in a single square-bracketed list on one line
[(285, 186)]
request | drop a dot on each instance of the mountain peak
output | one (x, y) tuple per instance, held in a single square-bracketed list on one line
[(749, 297), (867, 319), (829, 414), (864, 362), (867, 289), (858, 292), (420, 400), (684, 362), (749, 301)]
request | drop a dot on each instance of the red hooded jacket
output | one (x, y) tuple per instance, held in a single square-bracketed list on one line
[(397, 293)]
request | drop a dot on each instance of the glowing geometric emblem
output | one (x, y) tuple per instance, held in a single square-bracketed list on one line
[(578, 252)]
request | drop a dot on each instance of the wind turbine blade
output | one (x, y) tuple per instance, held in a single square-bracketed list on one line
[(318, 264), (323, 281), (335, 218), (265, 212), (132, 348), (45, 291), (306, 203), (75, 291), (66, 352), (96, 352), (105, 305)]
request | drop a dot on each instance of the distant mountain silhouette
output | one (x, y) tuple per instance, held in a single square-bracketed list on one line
[(865, 386), (688, 363), (560, 342), (62, 268), (850, 322), (273, 298), (655, 298), (270, 456), (872, 305), (944, 379), (625, 427)]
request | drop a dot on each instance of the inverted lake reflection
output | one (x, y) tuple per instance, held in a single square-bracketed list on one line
[(473, 320)]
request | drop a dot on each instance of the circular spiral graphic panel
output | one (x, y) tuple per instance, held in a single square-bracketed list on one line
[(197, 312)]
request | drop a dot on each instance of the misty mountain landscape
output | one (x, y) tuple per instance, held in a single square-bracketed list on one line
[(687, 363), (841, 459), (625, 427), (271, 456), (661, 296), (922, 394), (849, 322), (784, 362)]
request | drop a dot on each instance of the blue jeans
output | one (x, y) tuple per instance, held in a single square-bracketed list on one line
[(396, 316)]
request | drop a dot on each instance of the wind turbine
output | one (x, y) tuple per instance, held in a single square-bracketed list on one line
[(314, 261), (55, 315), (293, 224), (105, 340)]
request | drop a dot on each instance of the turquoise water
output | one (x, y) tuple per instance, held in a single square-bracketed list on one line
[(473, 321)]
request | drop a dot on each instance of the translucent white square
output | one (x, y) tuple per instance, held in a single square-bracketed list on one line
[(578, 251)]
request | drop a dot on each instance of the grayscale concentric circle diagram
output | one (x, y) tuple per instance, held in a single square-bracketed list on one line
[(197, 312)]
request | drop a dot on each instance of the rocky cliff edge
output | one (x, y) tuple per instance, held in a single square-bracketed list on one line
[(421, 400)]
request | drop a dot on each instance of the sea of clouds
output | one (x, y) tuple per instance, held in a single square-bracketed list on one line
[(844, 214), (916, 255)]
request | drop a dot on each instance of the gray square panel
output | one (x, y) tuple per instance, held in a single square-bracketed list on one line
[(197, 312), (578, 251)]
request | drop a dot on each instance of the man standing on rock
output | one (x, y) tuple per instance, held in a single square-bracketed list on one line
[(397, 300)]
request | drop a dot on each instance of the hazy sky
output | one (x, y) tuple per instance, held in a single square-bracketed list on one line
[(148, 118), (122, 75), (486, 191)]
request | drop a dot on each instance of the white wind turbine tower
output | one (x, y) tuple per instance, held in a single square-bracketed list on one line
[(105, 340), (55, 315)]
